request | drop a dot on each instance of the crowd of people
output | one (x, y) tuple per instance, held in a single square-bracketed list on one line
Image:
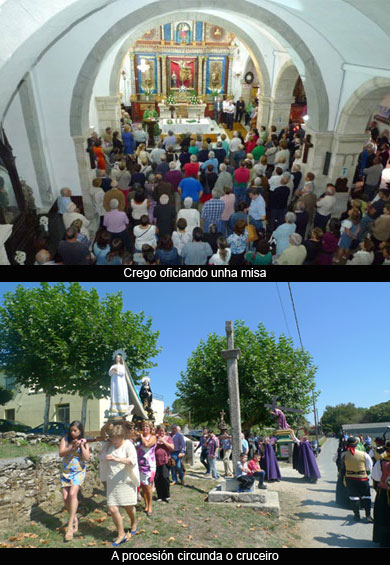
[(132, 463), (234, 201), (358, 459)]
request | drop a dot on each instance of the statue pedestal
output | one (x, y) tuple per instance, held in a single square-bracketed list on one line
[(285, 444)]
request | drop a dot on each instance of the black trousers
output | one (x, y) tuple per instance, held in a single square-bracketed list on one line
[(161, 480)]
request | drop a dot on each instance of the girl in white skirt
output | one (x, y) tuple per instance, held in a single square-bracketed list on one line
[(122, 481)]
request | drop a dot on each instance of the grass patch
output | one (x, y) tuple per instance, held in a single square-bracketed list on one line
[(10, 450), (187, 522)]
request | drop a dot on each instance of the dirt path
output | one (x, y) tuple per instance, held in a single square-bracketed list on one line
[(312, 507), (324, 524)]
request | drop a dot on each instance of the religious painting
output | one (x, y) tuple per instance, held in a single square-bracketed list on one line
[(149, 35), (147, 73), (183, 33), (217, 33), (215, 75), (181, 73)]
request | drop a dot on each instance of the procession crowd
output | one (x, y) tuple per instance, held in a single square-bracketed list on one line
[(358, 459), (245, 200), (135, 463)]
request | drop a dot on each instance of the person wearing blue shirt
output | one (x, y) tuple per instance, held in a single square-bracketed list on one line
[(204, 453), (179, 450), (256, 209), (212, 160), (192, 188)]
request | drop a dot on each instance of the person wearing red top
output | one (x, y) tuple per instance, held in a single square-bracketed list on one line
[(250, 144), (164, 446), (241, 178), (191, 169), (255, 471)]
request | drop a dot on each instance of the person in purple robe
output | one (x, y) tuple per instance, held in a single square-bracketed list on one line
[(306, 463), (282, 422), (268, 461)]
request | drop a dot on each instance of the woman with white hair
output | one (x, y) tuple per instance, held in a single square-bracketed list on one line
[(282, 234), (191, 215), (116, 223), (295, 253), (71, 214)]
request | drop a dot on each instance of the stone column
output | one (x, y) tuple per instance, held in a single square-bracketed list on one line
[(5, 232), (280, 112), (345, 150), (109, 112), (322, 143), (132, 76), (232, 355), (204, 75), (86, 175), (200, 75), (159, 75), (31, 115), (164, 75), (263, 114), (230, 75)]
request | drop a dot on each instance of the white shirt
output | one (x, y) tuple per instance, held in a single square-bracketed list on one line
[(192, 218), (145, 237), (216, 259), (234, 144), (362, 257), (179, 239), (326, 205)]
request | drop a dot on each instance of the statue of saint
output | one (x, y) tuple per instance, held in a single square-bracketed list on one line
[(282, 422), (185, 72), (146, 397), (119, 407), (174, 80)]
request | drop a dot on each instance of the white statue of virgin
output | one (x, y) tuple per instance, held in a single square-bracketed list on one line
[(119, 388)]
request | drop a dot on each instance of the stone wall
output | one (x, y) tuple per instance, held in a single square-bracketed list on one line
[(30, 487)]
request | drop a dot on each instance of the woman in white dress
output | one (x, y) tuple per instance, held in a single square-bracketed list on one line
[(120, 458), (119, 390)]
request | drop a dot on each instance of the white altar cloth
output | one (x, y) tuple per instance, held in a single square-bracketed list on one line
[(204, 126)]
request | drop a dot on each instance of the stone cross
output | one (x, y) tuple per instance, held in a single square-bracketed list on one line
[(231, 356), (284, 408), (308, 145)]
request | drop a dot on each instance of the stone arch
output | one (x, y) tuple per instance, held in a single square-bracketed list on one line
[(315, 87), (285, 81), (361, 105), (254, 51)]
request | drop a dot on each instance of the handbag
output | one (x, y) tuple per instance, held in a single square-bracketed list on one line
[(171, 462), (252, 232)]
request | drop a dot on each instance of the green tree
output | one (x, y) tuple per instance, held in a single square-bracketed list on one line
[(335, 416), (5, 395), (60, 339), (378, 413), (268, 366)]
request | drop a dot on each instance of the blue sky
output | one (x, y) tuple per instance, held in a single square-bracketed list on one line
[(344, 325)]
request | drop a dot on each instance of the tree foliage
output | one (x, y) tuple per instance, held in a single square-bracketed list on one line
[(378, 413), (335, 416), (268, 366), (60, 339)]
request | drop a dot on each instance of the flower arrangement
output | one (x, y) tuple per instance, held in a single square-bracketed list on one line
[(147, 91), (170, 99), (20, 257), (193, 98)]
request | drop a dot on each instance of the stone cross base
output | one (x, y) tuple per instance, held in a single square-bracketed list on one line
[(227, 493)]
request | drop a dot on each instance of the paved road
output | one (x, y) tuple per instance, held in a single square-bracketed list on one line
[(325, 523)]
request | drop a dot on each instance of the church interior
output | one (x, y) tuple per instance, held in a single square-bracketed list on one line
[(70, 69)]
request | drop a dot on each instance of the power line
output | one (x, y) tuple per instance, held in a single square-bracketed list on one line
[(295, 314), (284, 313), (300, 339)]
